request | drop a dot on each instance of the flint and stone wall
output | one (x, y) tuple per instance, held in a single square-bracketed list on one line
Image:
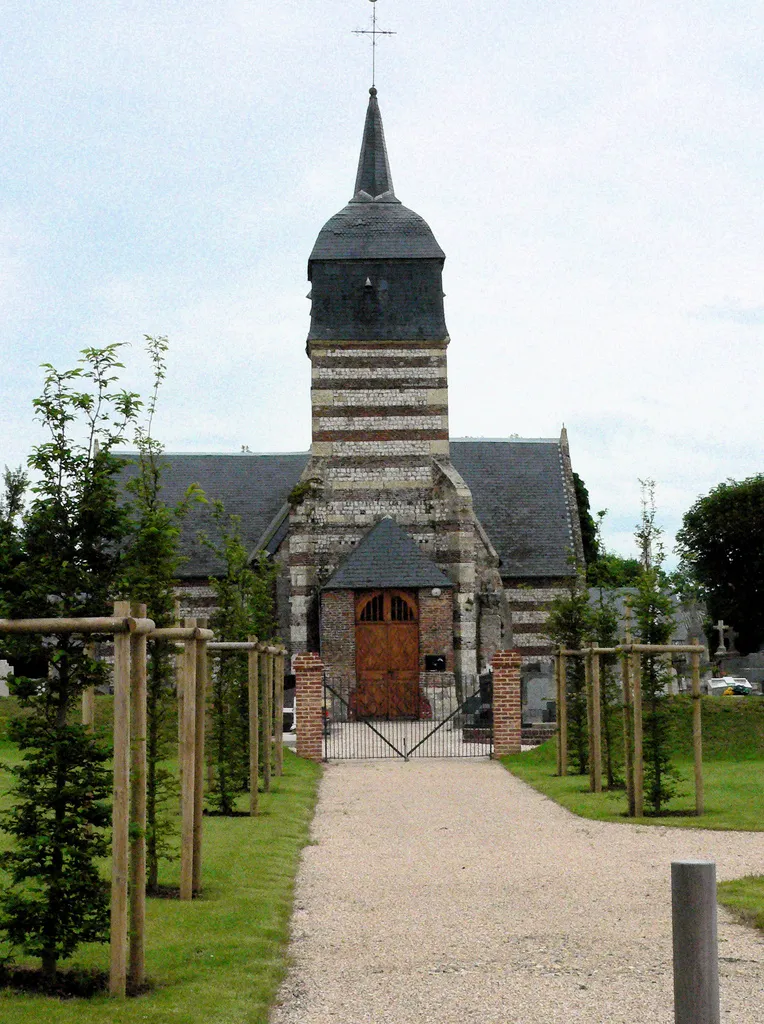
[(380, 447)]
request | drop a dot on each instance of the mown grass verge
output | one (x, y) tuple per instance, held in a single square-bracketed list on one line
[(220, 959), (745, 898), (734, 792)]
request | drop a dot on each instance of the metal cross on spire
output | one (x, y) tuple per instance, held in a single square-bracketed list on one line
[(373, 32)]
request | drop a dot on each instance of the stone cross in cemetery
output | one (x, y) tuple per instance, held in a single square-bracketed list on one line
[(720, 628), (732, 635)]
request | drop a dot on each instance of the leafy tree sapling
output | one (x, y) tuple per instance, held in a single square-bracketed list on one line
[(148, 574), (71, 538), (245, 607)]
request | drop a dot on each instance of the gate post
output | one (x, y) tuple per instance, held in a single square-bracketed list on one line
[(309, 703), (507, 722)]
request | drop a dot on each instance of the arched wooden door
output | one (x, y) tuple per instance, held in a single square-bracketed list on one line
[(387, 654)]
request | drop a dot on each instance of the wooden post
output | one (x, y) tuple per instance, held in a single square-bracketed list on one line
[(697, 732), (628, 760), (596, 752), (137, 971), (120, 809), (639, 768), (589, 716), (187, 767), (278, 715), (253, 676), (201, 714), (266, 721), (562, 714), (557, 704)]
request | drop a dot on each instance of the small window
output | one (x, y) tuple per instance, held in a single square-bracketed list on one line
[(373, 610), (401, 610)]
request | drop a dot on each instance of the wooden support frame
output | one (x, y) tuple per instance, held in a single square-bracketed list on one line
[(596, 717), (266, 721), (697, 733), (200, 721), (120, 809), (253, 683), (628, 745), (137, 889), (639, 764), (631, 654), (188, 763), (278, 715), (562, 712)]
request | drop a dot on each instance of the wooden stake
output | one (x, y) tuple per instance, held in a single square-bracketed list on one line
[(697, 733), (639, 768), (88, 708), (201, 715), (253, 676), (137, 971), (266, 721), (628, 760), (562, 714), (596, 724), (278, 715), (589, 716), (557, 704), (120, 809), (187, 768)]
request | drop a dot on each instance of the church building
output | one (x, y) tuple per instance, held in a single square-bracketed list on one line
[(404, 554)]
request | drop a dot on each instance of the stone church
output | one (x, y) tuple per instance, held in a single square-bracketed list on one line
[(458, 545)]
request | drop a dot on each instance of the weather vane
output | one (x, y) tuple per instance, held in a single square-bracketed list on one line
[(373, 32)]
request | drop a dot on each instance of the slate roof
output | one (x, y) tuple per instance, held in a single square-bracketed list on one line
[(517, 488), (374, 178), (254, 487), (387, 557), (374, 224), (518, 492)]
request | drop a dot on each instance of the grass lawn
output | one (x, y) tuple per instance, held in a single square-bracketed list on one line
[(745, 898), (220, 959), (734, 792)]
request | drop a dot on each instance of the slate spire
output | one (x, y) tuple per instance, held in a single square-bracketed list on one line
[(373, 179)]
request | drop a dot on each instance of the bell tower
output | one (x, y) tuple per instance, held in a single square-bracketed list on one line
[(380, 445)]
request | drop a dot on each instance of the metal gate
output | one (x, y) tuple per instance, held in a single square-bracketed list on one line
[(442, 724)]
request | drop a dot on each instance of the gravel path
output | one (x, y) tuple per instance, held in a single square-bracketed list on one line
[(448, 891)]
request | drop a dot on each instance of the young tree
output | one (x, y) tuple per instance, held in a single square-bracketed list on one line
[(605, 630), (149, 574), (71, 536), (654, 624), (721, 544), (245, 607), (570, 624)]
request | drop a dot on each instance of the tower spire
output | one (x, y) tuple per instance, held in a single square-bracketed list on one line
[(373, 179)]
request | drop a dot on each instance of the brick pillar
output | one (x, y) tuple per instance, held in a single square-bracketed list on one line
[(507, 722), (309, 702)]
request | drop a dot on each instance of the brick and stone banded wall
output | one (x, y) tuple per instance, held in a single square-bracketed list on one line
[(507, 718), (436, 631), (379, 393), (309, 696), (338, 640), (530, 607)]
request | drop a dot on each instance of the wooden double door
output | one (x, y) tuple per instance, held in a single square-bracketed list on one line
[(387, 655)]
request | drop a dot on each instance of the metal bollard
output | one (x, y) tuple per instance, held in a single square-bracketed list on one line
[(696, 953)]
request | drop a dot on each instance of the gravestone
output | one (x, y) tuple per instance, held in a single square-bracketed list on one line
[(5, 671)]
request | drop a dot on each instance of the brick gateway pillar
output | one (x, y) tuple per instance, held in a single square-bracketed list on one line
[(507, 718), (309, 700)]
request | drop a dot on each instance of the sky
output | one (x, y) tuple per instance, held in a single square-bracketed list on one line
[(593, 171)]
